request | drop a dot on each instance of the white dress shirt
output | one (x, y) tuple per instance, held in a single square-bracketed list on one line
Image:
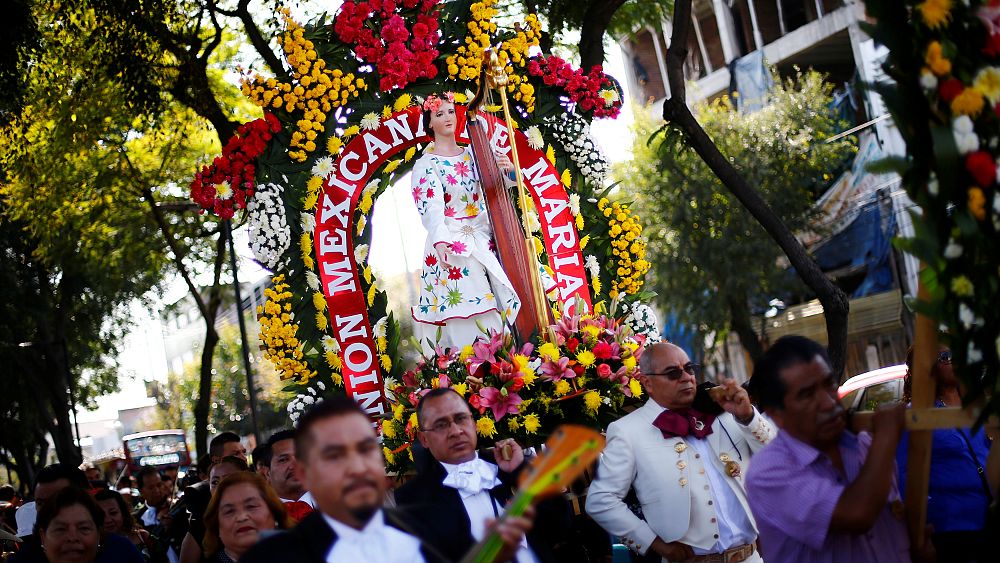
[(473, 480), (735, 528), (376, 542)]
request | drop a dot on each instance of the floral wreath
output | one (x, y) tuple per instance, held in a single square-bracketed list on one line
[(587, 374)]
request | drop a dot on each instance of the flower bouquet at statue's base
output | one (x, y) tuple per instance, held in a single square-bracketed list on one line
[(585, 375)]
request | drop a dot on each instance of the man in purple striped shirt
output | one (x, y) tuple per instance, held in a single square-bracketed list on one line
[(820, 493)]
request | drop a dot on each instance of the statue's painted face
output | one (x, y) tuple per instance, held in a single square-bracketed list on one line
[(444, 120)]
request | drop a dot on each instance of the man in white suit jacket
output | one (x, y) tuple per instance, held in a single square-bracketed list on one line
[(687, 468)]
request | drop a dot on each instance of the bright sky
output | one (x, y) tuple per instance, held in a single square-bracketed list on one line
[(397, 246)]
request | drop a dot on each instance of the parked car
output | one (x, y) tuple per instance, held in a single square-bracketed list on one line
[(870, 389)]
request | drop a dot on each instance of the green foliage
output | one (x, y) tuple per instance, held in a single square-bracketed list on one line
[(710, 257), (230, 408)]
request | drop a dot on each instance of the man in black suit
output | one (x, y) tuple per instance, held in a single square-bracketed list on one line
[(341, 463), (457, 491)]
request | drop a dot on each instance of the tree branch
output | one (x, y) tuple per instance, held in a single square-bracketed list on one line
[(260, 44), (675, 111), (595, 22)]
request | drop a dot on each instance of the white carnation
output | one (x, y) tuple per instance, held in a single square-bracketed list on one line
[(323, 167), (361, 253), (370, 121), (534, 135), (312, 280)]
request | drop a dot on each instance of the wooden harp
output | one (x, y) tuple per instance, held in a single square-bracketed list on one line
[(515, 245)]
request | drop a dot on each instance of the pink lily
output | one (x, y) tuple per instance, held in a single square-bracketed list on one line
[(499, 401), (485, 351), (554, 371)]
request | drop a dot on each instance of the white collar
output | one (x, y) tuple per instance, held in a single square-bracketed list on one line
[(471, 477), (375, 525)]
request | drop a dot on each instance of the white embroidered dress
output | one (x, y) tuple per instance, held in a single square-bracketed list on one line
[(462, 281)]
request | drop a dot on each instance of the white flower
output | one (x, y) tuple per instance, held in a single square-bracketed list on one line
[(966, 315), (268, 232), (361, 253), (321, 385), (953, 250), (574, 204), (531, 219), (933, 187), (928, 81), (372, 187), (323, 167), (973, 354), (330, 344), (379, 329), (311, 391), (308, 400), (965, 135), (312, 280), (592, 266), (609, 96), (534, 136), (308, 222), (223, 190), (606, 400), (370, 121)]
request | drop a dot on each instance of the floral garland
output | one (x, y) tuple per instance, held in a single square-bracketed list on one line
[(641, 318), (467, 61), (628, 246), (378, 32), (228, 183), (278, 333), (314, 90), (952, 50), (586, 376), (574, 134), (268, 230), (594, 92)]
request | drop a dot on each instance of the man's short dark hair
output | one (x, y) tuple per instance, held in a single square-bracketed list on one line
[(7, 493), (218, 443), (238, 462), (766, 385), (338, 405), (261, 455), (433, 394), (143, 474), (57, 471)]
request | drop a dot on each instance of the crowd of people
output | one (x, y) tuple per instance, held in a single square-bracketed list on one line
[(770, 472)]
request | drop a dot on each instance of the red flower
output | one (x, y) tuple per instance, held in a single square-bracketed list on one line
[(602, 350), (430, 260), (982, 167), (572, 344), (517, 385), (455, 273), (992, 47), (604, 370), (949, 89)]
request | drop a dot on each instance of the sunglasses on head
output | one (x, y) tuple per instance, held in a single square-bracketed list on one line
[(677, 372)]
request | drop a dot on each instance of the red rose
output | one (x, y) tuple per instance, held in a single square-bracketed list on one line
[(579, 369), (949, 89), (602, 351), (517, 385), (982, 167), (572, 344), (604, 370)]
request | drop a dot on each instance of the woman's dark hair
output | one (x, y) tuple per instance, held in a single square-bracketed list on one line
[(128, 522), (427, 113), (70, 496), (213, 541), (237, 462)]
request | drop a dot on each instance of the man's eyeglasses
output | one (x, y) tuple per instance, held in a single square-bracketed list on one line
[(444, 424), (677, 372), (944, 357)]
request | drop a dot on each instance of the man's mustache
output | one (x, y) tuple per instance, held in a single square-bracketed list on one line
[(824, 417)]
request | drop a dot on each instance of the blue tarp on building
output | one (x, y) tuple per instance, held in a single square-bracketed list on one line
[(865, 242)]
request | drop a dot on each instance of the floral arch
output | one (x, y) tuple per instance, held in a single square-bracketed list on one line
[(306, 175)]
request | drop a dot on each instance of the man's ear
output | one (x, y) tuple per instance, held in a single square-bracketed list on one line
[(423, 439)]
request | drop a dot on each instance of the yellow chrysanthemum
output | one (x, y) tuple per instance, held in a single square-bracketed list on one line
[(389, 429), (635, 387), (987, 82), (386, 362), (397, 412), (550, 155), (531, 423), (512, 424), (413, 422), (935, 59), (334, 144), (528, 377), (485, 427), (467, 352), (566, 178), (970, 102), (402, 102), (410, 152), (586, 358), (629, 363), (460, 388), (562, 387), (389, 457), (549, 351), (592, 400), (392, 166), (935, 13)]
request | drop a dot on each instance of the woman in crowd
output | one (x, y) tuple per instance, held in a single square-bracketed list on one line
[(243, 505), (70, 527), (192, 550), (118, 520), (958, 496)]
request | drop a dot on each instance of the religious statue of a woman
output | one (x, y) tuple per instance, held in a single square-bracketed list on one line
[(464, 289)]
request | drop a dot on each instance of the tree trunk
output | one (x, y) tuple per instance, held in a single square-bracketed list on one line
[(739, 319), (675, 111), (595, 23), (201, 409)]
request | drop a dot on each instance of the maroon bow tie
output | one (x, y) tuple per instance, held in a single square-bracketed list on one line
[(683, 422), (298, 510)]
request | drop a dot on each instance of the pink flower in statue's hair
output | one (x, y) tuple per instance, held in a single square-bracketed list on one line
[(500, 402), (433, 102), (554, 371)]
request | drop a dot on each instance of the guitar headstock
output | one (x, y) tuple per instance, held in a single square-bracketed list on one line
[(569, 451)]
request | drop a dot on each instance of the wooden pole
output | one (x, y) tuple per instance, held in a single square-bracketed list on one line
[(925, 352)]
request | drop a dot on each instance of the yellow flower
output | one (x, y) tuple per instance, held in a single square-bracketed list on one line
[(550, 155), (351, 131), (319, 301), (528, 377), (402, 102), (586, 358), (334, 144), (592, 400), (334, 360), (321, 321), (969, 102), (386, 362), (934, 58), (512, 423), (629, 363), (386, 112), (410, 152), (635, 387), (935, 13), (388, 429), (485, 427), (987, 82), (392, 166), (467, 352), (566, 178), (977, 203), (397, 412), (562, 387), (460, 388), (962, 287), (413, 422), (591, 331), (584, 241), (389, 458), (549, 351), (531, 423)]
